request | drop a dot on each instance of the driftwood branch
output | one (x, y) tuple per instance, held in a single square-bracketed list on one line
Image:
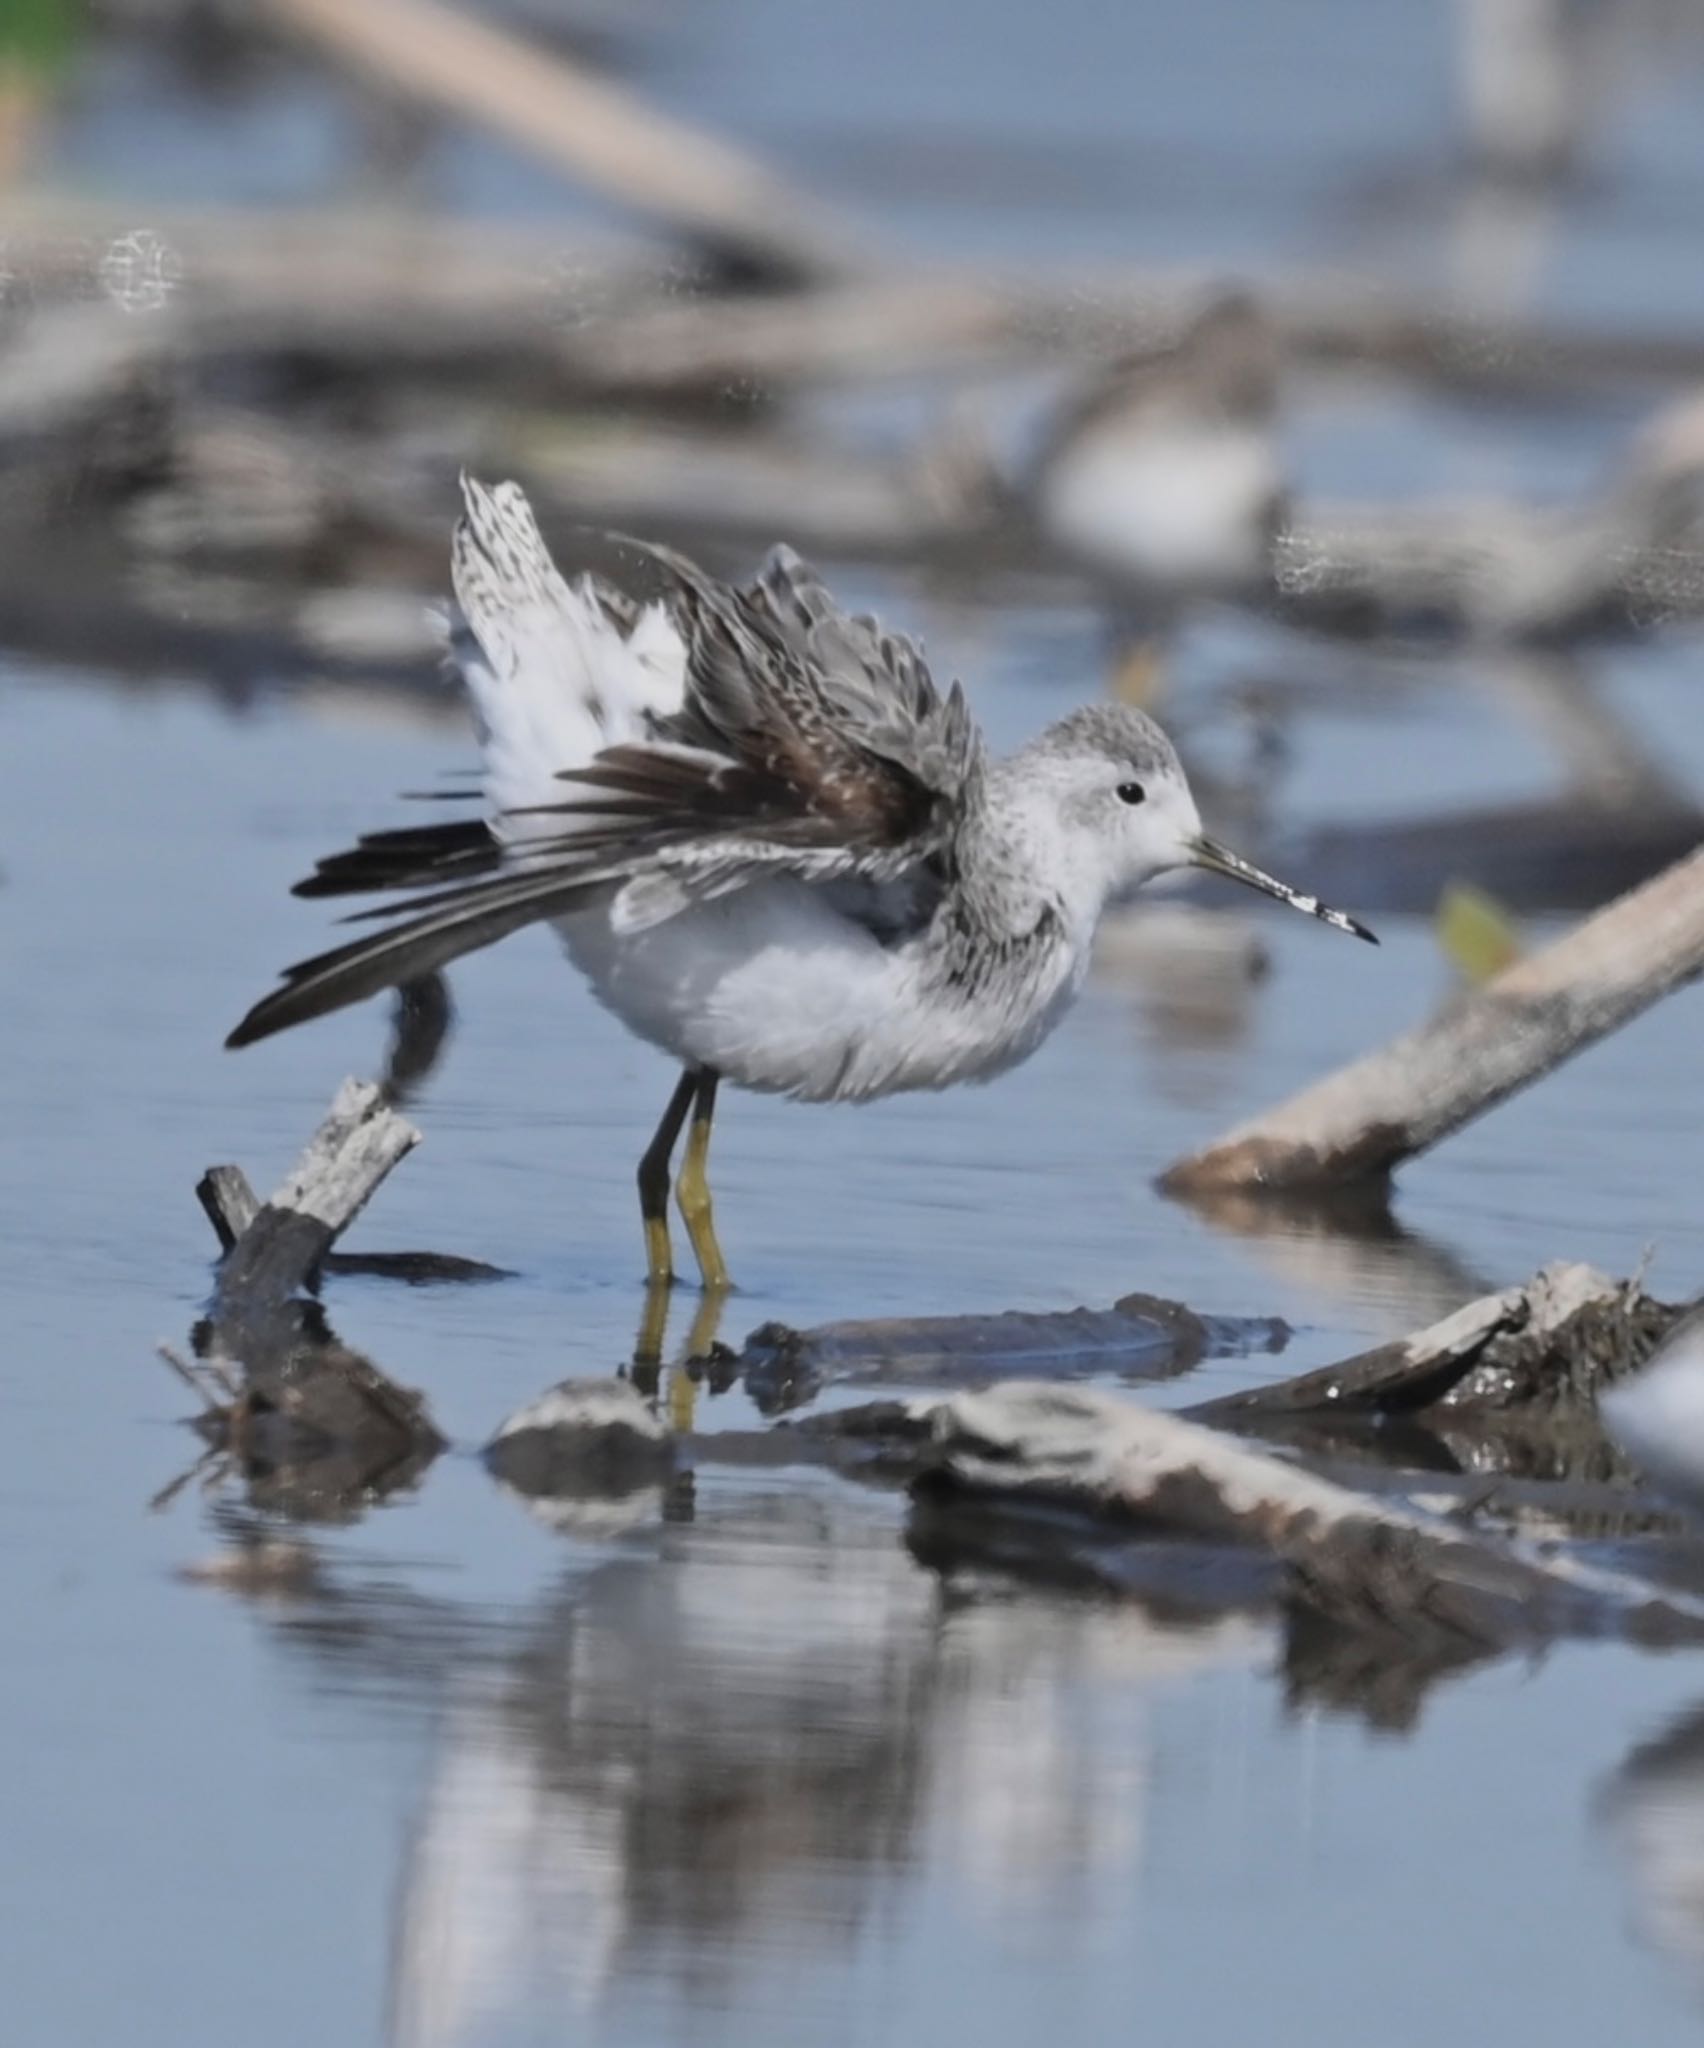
[(129, 331), (1057, 1452), (557, 110), (316, 1428), (346, 1159), (1141, 1337), (1509, 572), (230, 1203), (1368, 1117), (1551, 1343), (351, 1152)]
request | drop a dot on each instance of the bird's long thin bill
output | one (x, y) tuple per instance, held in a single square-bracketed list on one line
[(1219, 860)]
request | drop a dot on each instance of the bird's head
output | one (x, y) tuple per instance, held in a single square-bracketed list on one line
[(1123, 811)]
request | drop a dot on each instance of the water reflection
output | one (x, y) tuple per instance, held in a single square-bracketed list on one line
[(698, 1780), (313, 1430), (679, 1768), (732, 1740), (1194, 978), (719, 1743), (1653, 1808), (763, 1734), (1349, 1249)]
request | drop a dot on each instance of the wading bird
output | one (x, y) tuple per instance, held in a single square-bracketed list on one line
[(773, 847)]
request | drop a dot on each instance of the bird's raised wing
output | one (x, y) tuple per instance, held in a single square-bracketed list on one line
[(808, 743), (800, 727), (877, 685)]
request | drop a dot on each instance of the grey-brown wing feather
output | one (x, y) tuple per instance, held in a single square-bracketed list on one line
[(877, 684), (801, 727), (809, 743)]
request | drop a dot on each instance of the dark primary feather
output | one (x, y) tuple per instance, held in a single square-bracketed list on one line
[(462, 921), (808, 743), (413, 858)]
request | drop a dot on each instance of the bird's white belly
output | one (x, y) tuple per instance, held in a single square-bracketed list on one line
[(779, 993)]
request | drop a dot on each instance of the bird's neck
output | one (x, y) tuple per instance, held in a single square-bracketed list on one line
[(1015, 847), (1017, 894)]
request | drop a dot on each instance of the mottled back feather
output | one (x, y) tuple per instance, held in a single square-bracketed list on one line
[(800, 742), (807, 742)]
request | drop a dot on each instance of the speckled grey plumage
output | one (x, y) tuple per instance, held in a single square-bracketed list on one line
[(775, 847)]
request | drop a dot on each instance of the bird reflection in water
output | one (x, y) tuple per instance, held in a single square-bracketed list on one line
[(749, 1739), (702, 1359), (1653, 1810)]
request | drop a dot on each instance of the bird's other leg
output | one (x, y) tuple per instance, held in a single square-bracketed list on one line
[(692, 1189), (654, 1182)]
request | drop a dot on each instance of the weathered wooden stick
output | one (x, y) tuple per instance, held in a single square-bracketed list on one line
[(1143, 1336), (1595, 744), (827, 499), (230, 1202), (355, 279), (893, 326), (322, 1424), (348, 1156), (1507, 571), (189, 1374), (582, 124), (1368, 1117), (1548, 1345), (1360, 1559), (422, 1018)]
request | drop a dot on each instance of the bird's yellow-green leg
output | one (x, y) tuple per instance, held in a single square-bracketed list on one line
[(654, 1183), (692, 1189)]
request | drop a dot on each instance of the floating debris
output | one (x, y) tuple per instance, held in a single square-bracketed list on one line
[(1369, 1117), (1142, 1336), (1070, 1464), (1551, 1345), (590, 1457)]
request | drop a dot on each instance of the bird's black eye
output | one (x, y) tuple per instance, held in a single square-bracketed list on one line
[(1132, 793)]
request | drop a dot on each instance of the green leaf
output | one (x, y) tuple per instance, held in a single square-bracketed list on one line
[(1475, 931)]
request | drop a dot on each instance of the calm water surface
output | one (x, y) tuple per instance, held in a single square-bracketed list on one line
[(743, 1771), (752, 1775)]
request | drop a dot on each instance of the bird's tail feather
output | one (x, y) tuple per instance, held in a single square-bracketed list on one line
[(442, 929), (557, 671)]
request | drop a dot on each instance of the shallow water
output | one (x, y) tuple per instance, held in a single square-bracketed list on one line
[(756, 1773), (745, 1770)]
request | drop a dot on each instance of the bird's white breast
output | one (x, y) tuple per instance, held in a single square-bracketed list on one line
[(779, 993)]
